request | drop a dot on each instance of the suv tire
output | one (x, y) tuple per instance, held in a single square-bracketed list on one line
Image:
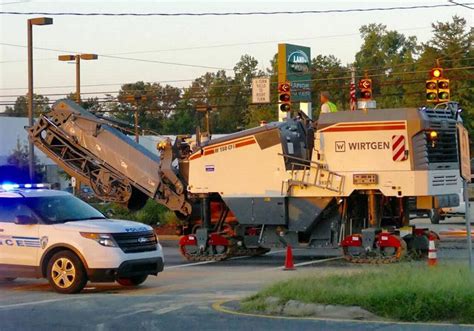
[(132, 281), (435, 216), (66, 273)]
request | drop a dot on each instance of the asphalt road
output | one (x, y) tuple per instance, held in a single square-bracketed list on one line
[(182, 297)]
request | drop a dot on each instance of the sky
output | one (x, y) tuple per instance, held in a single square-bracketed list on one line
[(204, 41)]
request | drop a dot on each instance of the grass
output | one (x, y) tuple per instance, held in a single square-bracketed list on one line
[(407, 292)]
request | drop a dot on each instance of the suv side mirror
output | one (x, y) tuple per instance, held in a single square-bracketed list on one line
[(25, 220)]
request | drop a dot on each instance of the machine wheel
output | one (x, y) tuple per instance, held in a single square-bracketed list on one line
[(132, 281), (189, 251), (219, 249), (66, 273), (395, 253), (435, 216)]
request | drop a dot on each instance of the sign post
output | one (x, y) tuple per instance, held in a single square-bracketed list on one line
[(465, 163), (261, 90)]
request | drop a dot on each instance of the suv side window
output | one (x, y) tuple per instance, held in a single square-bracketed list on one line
[(10, 208)]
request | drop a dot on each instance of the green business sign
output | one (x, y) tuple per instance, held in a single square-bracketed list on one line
[(294, 66)]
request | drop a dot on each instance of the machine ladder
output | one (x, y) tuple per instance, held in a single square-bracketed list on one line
[(304, 173)]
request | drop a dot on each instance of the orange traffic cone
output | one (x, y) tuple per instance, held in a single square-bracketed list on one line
[(289, 265), (432, 256)]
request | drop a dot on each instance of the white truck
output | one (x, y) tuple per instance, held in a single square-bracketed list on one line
[(52, 234), (440, 214)]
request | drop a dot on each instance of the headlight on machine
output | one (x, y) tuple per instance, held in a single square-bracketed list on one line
[(105, 239)]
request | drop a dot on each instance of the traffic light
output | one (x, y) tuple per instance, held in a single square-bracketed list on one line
[(436, 73), (365, 87), (431, 90), (443, 90), (437, 87), (284, 96)]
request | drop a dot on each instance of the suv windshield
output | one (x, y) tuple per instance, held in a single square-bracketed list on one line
[(61, 209)]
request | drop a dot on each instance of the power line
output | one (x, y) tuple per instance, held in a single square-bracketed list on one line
[(203, 94), (210, 46), (312, 71), (123, 58), (461, 4), (184, 89), (253, 13)]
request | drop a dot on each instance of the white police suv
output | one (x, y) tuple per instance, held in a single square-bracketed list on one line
[(52, 234)]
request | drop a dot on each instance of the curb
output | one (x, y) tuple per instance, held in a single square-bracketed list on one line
[(220, 306)]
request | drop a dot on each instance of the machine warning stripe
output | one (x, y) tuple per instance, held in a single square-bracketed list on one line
[(208, 150), (398, 148), (227, 143), (245, 143), (398, 142), (366, 128), (370, 124)]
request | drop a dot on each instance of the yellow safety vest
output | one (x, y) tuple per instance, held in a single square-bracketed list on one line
[(332, 107)]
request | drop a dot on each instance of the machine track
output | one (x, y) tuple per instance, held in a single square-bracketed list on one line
[(233, 250), (377, 257)]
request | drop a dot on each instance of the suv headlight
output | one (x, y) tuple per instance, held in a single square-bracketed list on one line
[(104, 239)]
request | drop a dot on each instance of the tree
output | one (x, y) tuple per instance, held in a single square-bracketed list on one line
[(19, 159), (327, 72), (155, 104), (452, 46), (91, 104), (386, 54), (20, 109)]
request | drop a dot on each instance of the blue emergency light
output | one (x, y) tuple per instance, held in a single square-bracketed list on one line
[(11, 186)]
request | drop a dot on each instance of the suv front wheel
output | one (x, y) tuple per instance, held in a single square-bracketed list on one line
[(436, 216), (66, 273), (132, 281)]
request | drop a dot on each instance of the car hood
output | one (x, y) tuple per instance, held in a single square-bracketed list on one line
[(104, 226)]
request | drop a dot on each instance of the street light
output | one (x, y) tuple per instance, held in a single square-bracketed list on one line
[(78, 58), (30, 23)]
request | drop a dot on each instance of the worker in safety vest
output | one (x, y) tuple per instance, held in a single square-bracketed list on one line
[(326, 105)]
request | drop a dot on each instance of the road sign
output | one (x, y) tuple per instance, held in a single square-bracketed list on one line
[(294, 64), (365, 83), (365, 87), (465, 158), (261, 90), (366, 104)]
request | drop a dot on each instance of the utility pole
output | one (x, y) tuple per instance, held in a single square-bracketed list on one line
[(135, 115), (78, 79)]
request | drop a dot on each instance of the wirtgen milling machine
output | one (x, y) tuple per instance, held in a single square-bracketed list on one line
[(343, 182)]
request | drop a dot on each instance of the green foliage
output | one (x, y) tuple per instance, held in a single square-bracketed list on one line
[(151, 214), (405, 292), (91, 104), (19, 158), (398, 65), (20, 109)]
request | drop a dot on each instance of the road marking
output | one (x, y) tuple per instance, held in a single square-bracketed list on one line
[(310, 262), (23, 304), (218, 306), (148, 310), (209, 262), (169, 309)]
